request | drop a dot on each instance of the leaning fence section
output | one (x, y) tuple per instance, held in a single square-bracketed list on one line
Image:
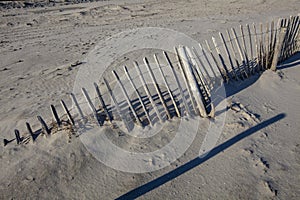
[(232, 55)]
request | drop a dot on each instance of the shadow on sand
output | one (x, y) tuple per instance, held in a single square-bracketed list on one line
[(143, 189)]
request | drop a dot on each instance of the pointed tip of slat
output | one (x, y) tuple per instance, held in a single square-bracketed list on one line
[(145, 59), (5, 142), (115, 74), (125, 68)]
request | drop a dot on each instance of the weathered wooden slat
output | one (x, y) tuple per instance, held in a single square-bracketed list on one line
[(224, 70), (148, 92), (77, 105), (138, 95), (271, 48), (267, 45), (262, 52), (127, 98), (206, 76), (180, 62), (245, 52), (251, 60), (198, 72), (192, 81), (257, 54), (284, 52), (248, 66), (116, 104), (102, 102), (67, 112), (215, 61), (167, 86), (55, 115), (284, 23), (44, 125), (281, 55), (292, 38), (202, 86), (280, 25), (207, 60), (178, 84), (157, 88), (233, 70), (278, 48), (235, 55), (18, 137), (243, 59), (243, 40), (91, 105), (89, 101), (289, 29), (29, 129), (294, 33)]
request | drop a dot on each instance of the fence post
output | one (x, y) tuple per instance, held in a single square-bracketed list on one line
[(192, 81), (278, 48)]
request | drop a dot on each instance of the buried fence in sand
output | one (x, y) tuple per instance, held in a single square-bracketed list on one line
[(232, 56)]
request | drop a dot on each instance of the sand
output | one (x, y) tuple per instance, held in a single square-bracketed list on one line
[(258, 156)]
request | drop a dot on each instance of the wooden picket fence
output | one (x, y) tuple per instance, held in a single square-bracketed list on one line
[(232, 56)]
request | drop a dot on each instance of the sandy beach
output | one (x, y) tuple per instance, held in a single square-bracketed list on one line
[(42, 47)]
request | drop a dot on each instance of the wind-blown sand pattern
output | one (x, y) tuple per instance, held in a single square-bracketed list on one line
[(42, 49)]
